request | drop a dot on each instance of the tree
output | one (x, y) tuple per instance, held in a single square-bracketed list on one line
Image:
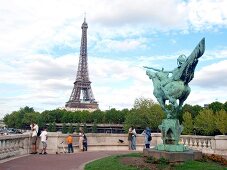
[(221, 121), (114, 116), (64, 128), (77, 127), (204, 122), (144, 114), (22, 118), (216, 106), (54, 129), (50, 127), (98, 116), (71, 130), (187, 123), (194, 110), (225, 106), (142, 102), (94, 127), (85, 128)]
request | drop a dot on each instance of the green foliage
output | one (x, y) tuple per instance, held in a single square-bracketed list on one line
[(98, 116), (85, 128), (145, 114), (216, 106), (50, 127), (194, 110), (225, 106), (22, 118), (54, 127), (187, 123), (64, 128), (205, 122), (77, 128), (115, 163), (221, 121), (196, 165), (143, 103), (111, 162), (94, 127), (71, 130)]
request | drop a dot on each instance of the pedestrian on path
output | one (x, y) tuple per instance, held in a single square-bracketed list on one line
[(130, 138), (44, 137), (69, 141), (84, 142), (34, 129), (133, 138), (147, 137)]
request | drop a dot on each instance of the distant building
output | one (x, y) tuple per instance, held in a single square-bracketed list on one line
[(205, 105)]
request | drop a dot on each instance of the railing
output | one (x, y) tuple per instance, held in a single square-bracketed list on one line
[(206, 144), (13, 145)]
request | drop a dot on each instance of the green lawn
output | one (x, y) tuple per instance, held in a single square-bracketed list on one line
[(113, 163), (196, 165), (110, 163)]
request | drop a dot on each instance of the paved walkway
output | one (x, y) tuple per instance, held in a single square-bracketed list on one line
[(74, 161)]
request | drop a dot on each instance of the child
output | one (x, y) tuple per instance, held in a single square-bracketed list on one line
[(69, 140), (43, 136)]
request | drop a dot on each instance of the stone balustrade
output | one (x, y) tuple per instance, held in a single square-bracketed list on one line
[(14, 145), (206, 144)]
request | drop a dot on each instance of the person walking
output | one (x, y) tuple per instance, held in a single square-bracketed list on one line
[(34, 129), (44, 137), (130, 138), (69, 141), (133, 138), (147, 137)]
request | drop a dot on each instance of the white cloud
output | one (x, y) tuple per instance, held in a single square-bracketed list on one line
[(212, 76), (40, 43), (207, 14)]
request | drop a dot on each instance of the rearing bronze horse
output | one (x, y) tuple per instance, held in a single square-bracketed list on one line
[(175, 87)]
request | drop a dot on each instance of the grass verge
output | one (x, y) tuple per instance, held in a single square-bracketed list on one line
[(113, 163)]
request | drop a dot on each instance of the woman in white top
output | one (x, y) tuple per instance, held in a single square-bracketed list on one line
[(81, 138)]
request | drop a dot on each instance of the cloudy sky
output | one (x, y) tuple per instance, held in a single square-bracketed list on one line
[(40, 43)]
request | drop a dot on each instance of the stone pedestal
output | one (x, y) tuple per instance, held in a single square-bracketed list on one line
[(172, 148), (173, 156)]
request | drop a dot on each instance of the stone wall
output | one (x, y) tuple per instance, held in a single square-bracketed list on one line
[(14, 145)]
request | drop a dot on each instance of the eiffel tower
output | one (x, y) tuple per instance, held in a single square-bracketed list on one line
[(82, 97)]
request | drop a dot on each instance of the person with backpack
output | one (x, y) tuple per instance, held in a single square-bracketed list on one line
[(84, 142), (147, 137)]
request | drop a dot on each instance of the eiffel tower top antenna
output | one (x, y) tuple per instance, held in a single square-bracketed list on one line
[(84, 16)]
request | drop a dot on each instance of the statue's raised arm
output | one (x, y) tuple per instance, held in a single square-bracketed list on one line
[(187, 68), (152, 68), (155, 69)]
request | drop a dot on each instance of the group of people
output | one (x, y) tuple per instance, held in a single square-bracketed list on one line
[(43, 137), (82, 141), (132, 138)]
